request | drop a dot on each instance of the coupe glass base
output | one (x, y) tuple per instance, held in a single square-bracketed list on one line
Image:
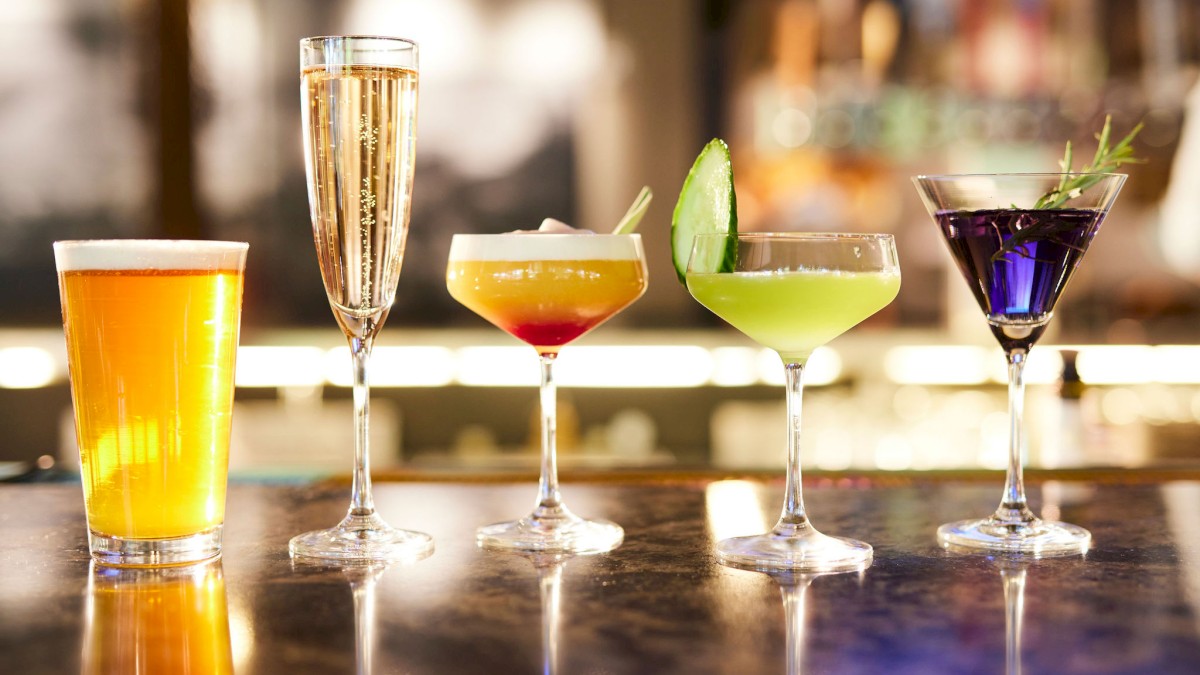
[(808, 551), (1038, 538), (565, 533), (362, 539)]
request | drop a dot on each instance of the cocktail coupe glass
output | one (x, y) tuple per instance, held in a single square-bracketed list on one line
[(359, 114), (1017, 255), (793, 293), (547, 290)]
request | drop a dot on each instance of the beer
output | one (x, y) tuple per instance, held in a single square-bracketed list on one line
[(160, 620), (152, 332)]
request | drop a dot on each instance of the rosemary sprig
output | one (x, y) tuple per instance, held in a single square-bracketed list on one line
[(1072, 184), (1024, 229)]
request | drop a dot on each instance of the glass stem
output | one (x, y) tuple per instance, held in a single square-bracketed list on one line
[(549, 500), (361, 503), (793, 518), (1013, 507)]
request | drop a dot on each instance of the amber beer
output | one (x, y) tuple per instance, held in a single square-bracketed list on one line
[(157, 620), (152, 331)]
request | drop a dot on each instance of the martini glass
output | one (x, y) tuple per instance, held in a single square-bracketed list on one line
[(547, 290), (793, 293), (1017, 258)]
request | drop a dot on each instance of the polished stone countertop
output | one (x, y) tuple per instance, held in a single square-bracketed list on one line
[(658, 604)]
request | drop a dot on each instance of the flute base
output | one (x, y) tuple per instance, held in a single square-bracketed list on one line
[(359, 539), (1034, 537), (551, 530), (796, 548)]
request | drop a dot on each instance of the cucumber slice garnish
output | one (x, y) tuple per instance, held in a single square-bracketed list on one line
[(706, 205)]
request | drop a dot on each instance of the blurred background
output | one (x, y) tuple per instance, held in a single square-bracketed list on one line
[(181, 118)]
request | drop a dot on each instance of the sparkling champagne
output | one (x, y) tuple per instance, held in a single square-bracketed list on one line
[(359, 146)]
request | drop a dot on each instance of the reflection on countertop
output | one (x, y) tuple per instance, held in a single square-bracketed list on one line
[(659, 603)]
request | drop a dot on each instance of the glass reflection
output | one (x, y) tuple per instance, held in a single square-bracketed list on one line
[(1012, 574), (157, 620), (549, 570), (363, 577), (793, 587), (1013, 569), (362, 587)]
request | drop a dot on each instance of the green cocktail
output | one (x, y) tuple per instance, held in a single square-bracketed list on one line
[(794, 312), (793, 293)]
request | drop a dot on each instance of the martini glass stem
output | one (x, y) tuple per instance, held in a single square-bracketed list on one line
[(362, 505), (1013, 506), (549, 499), (793, 519)]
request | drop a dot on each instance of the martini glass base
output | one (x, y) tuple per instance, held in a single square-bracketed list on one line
[(1036, 537), (551, 531), (362, 539), (807, 551)]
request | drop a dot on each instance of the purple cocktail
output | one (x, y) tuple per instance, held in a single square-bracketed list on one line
[(1017, 239), (1017, 262)]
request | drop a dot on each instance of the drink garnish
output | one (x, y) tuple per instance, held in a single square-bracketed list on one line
[(637, 209), (1026, 228), (553, 226), (1073, 183), (707, 204)]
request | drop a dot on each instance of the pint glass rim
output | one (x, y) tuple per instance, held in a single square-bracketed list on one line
[(120, 254), (171, 244)]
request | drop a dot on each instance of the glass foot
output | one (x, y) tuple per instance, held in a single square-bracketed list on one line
[(121, 552), (551, 531), (805, 550), (1037, 537), (362, 539)]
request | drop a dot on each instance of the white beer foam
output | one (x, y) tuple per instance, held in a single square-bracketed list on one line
[(545, 246), (148, 254)]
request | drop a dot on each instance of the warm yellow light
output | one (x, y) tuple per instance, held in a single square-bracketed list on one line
[(734, 366), (498, 367), (26, 368), (279, 367), (823, 367), (937, 365), (1177, 364), (410, 366), (733, 509), (1123, 364), (635, 366)]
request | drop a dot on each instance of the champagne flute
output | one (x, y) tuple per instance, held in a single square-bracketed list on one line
[(360, 116)]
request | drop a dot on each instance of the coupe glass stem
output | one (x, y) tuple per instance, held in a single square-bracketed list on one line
[(361, 503), (549, 499), (793, 519), (1013, 507)]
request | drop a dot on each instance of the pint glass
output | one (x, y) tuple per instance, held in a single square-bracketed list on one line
[(152, 332)]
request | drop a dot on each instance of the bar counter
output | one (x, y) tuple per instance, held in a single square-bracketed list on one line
[(658, 604)]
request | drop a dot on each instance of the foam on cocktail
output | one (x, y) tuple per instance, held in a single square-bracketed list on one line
[(146, 254), (546, 246)]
